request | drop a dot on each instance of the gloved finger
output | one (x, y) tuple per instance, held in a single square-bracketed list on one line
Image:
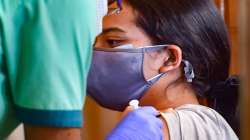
[(161, 137), (156, 121), (126, 111), (148, 110), (157, 128), (160, 134), (160, 123)]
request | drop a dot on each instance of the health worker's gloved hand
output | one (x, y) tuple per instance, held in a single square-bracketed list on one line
[(140, 124)]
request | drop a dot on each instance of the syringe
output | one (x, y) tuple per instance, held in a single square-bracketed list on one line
[(134, 104)]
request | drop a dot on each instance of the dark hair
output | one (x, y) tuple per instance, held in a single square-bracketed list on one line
[(197, 27)]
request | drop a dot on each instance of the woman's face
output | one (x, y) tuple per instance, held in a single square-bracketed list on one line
[(120, 29)]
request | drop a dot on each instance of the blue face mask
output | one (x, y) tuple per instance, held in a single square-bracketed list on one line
[(116, 75)]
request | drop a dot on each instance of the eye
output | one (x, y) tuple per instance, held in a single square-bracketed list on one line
[(114, 42)]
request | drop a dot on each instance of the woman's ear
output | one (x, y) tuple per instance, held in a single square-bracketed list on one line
[(173, 61)]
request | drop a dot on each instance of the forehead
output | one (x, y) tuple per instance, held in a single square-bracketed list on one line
[(126, 21), (125, 18)]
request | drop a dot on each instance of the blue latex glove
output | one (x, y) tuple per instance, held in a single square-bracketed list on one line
[(141, 124)]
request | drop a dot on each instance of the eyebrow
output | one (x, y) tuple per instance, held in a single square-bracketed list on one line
[(108, 30), (113, 29)]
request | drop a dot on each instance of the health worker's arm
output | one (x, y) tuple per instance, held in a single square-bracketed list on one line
[(49, 69), (46, 133)]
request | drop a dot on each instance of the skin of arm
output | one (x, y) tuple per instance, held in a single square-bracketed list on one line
[(50, 133)]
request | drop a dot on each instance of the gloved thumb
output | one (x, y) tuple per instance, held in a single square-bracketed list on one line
[(126, 111)]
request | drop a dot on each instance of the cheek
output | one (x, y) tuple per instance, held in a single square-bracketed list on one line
[(150, 68)]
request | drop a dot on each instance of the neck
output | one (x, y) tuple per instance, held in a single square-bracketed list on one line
[(177, 95)]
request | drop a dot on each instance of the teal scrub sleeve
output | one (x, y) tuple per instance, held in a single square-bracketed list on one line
[(8, 122), (48, 53)]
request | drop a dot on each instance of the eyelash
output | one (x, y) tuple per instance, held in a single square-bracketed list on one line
[(114, 42)]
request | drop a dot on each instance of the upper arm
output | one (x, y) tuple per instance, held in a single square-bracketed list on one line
[(46, 133)]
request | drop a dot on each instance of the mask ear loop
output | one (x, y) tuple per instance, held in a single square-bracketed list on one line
[(151, 81), (188, 71), (154, 79)]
